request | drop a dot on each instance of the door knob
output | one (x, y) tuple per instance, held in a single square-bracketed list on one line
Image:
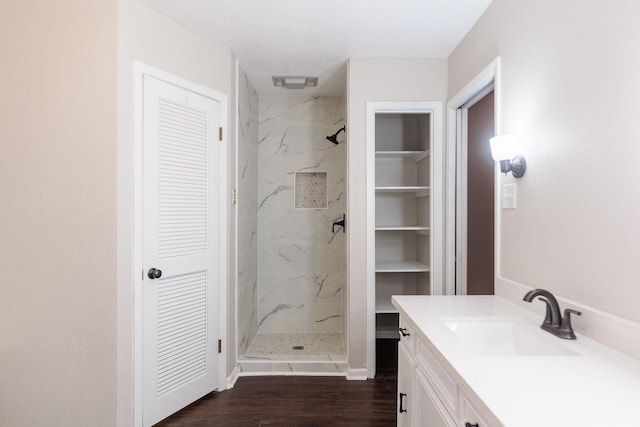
[(154, 273)]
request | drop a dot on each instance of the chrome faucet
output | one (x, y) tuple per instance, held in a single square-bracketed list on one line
[(554, 323)]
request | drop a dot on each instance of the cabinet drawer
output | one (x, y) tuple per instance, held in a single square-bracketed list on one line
[(441, 381), (407, 337), (469, 414)]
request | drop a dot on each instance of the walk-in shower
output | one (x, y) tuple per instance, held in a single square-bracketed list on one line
[(291, 258)]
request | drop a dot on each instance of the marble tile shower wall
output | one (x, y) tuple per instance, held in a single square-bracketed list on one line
[(247, 280), (300, 259)]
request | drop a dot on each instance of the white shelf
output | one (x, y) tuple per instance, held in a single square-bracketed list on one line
[(403, 228), (401, 267), (384, 306), (390, 334), (419, 155), (405, 189)]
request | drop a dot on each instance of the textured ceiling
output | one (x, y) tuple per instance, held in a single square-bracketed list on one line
[(316, 37)]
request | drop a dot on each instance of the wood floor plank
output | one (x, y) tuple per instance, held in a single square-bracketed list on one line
[(293, 401)]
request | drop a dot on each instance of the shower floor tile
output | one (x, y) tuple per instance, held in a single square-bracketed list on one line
[(276, 345)]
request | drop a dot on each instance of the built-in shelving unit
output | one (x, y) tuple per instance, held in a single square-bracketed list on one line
[(402, 212), (405, 212)]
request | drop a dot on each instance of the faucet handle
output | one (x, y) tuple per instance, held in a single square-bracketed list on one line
[(566, 327)]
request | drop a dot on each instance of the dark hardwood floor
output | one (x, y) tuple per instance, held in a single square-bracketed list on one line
[(300, 401)]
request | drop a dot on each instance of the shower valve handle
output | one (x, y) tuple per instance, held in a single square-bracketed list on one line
[(339, 223)]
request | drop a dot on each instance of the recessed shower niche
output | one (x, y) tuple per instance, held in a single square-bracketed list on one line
[(291, 308), (311, 190)]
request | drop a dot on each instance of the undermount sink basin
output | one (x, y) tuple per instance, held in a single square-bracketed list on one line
[(503, 337)]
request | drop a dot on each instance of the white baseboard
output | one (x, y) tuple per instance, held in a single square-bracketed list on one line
[(357, 374), (231, 379), (291, 374), (608, 329)]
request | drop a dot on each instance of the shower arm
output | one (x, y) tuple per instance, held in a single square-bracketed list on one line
[(334, 138)]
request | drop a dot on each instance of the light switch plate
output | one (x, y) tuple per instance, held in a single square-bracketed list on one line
[(509, 196)]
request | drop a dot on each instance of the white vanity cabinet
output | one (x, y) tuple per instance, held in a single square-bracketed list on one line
[(469, 415), (429, 409), (427, 395), (483, 361), (406, 387)]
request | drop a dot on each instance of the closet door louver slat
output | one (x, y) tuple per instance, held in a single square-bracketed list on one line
[(182, 162)]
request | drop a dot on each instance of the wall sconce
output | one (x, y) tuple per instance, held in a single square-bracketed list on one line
[(504, 149)]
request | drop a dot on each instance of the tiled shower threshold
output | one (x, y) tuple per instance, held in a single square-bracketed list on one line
[(320, 353)]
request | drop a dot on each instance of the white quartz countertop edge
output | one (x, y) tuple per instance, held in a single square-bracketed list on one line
[(593, 385)]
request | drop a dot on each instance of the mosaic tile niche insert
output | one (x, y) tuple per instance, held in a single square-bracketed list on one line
[(311, 190)]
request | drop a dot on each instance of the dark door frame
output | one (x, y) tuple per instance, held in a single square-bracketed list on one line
[(456, 176)]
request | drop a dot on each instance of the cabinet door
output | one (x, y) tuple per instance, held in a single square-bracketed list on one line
[(406, 375), (430, 412)]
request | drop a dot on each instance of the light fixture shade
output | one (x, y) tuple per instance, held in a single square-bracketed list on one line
[(295, 82), (504, 147)]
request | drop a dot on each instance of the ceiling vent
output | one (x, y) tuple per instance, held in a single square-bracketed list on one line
[(294, 82)]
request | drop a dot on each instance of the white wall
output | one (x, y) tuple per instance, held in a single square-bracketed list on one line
[(570, 84), (375, 80), (58, 215), (151, 38)]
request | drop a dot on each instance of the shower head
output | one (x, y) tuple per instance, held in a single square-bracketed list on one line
[(334, 138)]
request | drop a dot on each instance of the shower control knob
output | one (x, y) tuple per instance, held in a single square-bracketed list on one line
[(154, 273)]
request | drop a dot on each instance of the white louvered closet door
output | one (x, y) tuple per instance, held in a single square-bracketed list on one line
[(180, 239)]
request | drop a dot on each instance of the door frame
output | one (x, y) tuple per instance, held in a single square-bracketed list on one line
[(456, 188), (140, 71)]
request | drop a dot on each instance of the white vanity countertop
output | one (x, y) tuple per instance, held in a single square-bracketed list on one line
[(596, 386)]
